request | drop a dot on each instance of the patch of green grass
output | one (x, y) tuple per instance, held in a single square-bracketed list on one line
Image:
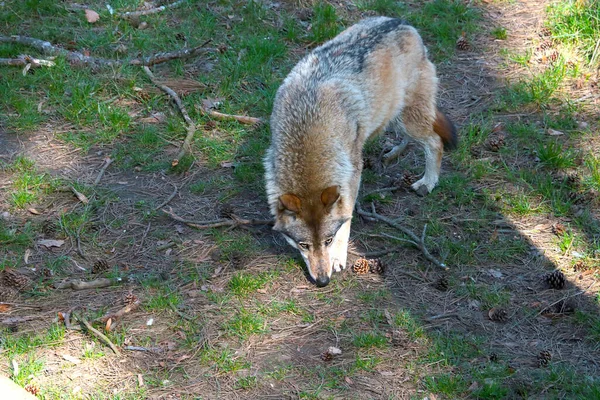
[(553, 155), (28, 369), (451, 385), (538, 90), (14, 344), (325, 22), (389, 8), (276, 307), (523, 204), (245, 323), (16, 238), (577, 23), (404, 319), (28, 183), (367, 340), (592, 163), (366, 363), (223, 360), (244, 283), (247, 382), (162, 299), (499, 33), (488, 295), (442, 22)]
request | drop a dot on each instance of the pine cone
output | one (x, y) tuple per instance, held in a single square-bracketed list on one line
[(441, 284), (32, 388), (7, 293), (226, 211), (463, 44), (130, 299), (556, 280), (558, 229), (495, 143), (376, 266), (498, 314), (546, 44), (545, 31), (15, 280), (579, 266), (562, 307), (326, 356), (100, 266), (494, 357), (361, 266), (544, 358), (408, 178), (553, 56), (399, 338), (49, 227)]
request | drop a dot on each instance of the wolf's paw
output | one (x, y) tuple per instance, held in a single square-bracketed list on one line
[(338, 266), (423, 187)]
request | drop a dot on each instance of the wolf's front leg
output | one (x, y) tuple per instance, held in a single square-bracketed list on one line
[(339, 248)]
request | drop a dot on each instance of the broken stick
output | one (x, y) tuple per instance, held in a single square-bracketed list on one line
[(234, 222), (78, 58), (98, 334), (186, 147), (83, 285), (416, 241), (240, 118), (118, 314)]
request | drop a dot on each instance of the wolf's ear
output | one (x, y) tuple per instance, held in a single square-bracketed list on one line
[(330, 196), (290, 202)]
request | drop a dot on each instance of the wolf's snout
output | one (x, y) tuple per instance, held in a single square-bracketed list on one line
[(322, 281)]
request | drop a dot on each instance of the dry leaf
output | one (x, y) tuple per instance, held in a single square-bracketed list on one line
[(227, 164), (33, 211), (4, 307), (209, 103), (26, 256), (50, 243), (71, 359), (108, 325), (554, 132), (334, 350), (82, 198), (91, 16)]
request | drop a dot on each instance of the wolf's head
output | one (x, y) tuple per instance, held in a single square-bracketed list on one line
[(317, 226)]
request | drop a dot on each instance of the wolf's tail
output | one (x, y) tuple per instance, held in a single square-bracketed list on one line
[(445, 129)]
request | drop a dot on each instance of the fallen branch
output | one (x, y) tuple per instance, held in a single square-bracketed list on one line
[(135, 14), (107, 162), (233, 222), (240, 118), (98, 334), (416, 241), (171, 197), (83, 285), (77, 58), (186, 147), (24, 60), (118, 314)]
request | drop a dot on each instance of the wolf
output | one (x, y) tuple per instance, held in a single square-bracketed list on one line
[(373, 76)]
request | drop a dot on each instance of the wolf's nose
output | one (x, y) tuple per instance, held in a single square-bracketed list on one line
[(322, 281)]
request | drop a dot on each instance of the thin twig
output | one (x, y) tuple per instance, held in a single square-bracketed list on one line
[(134, 14), (234, 222), (382, 190), (118, 314), (168, 200), (107, 162), (240, 118), (186, 147), (417, 242), (98, 334), (77, 58)]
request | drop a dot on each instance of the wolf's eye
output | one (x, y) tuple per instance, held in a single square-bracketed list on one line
[(328, 241), (303, 246)]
